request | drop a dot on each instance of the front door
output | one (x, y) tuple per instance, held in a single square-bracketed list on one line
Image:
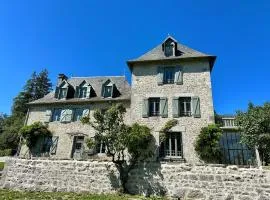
[(78, 147)]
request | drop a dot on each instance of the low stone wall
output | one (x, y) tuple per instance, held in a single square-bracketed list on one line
[(176, 180)]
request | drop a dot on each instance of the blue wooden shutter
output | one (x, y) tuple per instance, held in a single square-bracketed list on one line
[(196, 111), (178, 75), (175, 107), (160, 75), (56, 93), (164, 107), (77, 92), (48, 115), (54, 145), (145, 108)]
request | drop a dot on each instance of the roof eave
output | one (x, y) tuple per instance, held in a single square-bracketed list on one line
[(211, 59)]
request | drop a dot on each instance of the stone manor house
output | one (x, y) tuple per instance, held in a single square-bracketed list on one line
[(171, 81)]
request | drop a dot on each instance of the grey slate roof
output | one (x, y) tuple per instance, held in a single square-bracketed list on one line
[(96, 82), (183, 52)]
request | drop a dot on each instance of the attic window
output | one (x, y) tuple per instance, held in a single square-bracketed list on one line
[(169, 49), (108, 89), (83, 92), (62, 93)]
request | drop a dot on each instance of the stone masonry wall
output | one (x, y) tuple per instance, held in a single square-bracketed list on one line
[(176, 180), (196, 82)]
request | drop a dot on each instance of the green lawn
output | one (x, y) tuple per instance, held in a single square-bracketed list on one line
[(14, 195), (2, 166)]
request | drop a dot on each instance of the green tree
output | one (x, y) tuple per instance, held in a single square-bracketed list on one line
[(207, 144), (254, 125), (126, 145), (36, 87)]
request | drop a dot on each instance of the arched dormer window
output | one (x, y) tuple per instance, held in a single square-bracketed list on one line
[(83, 90)]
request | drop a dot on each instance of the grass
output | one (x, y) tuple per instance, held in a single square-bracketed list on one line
[(15, 195), (2, 166)]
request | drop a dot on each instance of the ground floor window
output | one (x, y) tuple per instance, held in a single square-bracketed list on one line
[(171, 147), (45, 146), (78, 147), (100, 147), (233, 151)]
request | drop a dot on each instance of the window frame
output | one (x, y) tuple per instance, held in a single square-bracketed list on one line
[(61, 94), (170, 138), (111, 91), (59, 116), (169, 70), (183, 100), (83, 92), (156, 111)]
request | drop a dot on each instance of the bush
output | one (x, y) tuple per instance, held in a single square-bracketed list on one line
[(6, 152), (207, 144), (32, 132)]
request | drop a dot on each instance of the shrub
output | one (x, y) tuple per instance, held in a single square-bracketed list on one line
[(207, 144), (6, 152)]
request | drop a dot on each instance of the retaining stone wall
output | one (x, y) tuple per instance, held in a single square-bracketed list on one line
[(176, 180)]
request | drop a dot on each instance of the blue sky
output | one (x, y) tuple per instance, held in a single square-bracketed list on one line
[(89, 38)]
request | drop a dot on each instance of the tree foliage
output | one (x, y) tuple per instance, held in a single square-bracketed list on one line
[(207, 144), (36, 87), (32, 132), (255, 128), (127, 145)]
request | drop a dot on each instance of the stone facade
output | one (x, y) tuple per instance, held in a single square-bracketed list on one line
[(196, 82), (182, 181)]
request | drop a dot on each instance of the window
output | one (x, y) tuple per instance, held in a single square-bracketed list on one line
[(100, 147), (154, 104), (78, 147), (107, 91), (83, 92), (42, 146), (185, 106), (169, 75), (56, 115), (62, 93), (78, 114), (172, 146)]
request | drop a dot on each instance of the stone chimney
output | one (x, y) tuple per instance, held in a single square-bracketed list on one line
[(60, 78)]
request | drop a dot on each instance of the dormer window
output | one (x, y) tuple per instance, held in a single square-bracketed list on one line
[(169, 47), (62, 93), (83, 90), (108, 90)]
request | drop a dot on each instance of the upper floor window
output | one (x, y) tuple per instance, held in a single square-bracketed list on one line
[(169, 75), (185, 106), (154, 104), (56, 115), (107, 91), (83, 92), (78, 114), (62, 93)]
